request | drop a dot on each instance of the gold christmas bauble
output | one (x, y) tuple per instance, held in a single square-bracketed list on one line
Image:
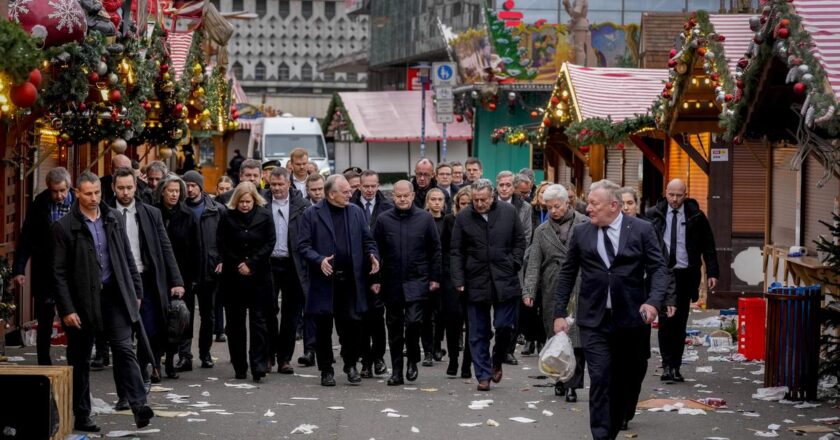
[(166, 76), (197, 68), (164, 153)]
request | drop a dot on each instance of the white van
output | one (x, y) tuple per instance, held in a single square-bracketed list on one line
[(272, 139)]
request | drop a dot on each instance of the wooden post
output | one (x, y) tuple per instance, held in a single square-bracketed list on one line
[(597, 154)]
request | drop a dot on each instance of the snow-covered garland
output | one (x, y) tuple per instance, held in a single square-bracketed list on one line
[(699, 39), (779, 32)]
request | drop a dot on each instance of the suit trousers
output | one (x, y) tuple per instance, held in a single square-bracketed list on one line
[(608, 351), (45, 314), (373, 335), (672, 330), (117, 330), (347, 324), (576, 382), (206, 294), (236, 312), (480, 332), (431, 323), (404, 321), (284, 328), (637, 372)]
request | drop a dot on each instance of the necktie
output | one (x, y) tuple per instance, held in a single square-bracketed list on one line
[(368, 210), (608, 245), (125, 213), (672, 257)]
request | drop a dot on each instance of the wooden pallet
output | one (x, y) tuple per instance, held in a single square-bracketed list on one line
[(61, 384)]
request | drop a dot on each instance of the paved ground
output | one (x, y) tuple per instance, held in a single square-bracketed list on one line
[(434, 406)]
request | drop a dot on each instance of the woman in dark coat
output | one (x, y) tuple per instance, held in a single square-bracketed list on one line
[(454, 305), (434, 327), (182, 230), (246, 238)]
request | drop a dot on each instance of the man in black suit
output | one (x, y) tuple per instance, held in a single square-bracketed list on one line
[(686, 244), (612, 253), (373, 203), (287, 267), (155, 261)]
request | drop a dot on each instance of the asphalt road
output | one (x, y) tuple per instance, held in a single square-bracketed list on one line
[(434, 405)]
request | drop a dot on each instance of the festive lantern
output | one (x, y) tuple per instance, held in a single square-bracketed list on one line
[(24, 95), (56, 22)]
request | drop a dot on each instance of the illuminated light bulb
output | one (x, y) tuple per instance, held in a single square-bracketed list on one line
[(694, 81), (707, 81), (559, 113), (711, 104), (685, 105), (4, 108), (697, 105), (565, 93)]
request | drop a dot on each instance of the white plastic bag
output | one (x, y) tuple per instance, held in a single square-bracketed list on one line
[(557, 358)]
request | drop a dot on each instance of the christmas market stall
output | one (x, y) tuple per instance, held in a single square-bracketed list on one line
[(363, 129), (791, 81), (706, 80), (589, 121)]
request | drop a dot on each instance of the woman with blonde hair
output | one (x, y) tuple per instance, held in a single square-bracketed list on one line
[(246, 238), (223, 185), (433, 323), (539, 214)]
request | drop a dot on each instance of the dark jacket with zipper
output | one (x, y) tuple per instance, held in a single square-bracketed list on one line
[(208, 249), (409, 244), (182, 230), (76, 273), (487, 254)]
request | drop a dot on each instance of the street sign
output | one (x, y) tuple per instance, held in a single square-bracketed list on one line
[(447, 106), (444, 74), (444, 92), (444, 118)]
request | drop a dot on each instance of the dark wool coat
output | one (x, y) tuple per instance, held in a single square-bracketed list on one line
[(247, 238)]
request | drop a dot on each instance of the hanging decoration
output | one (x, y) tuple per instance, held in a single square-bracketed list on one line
[(779, 32), (338, 121), (519, 136), (19, 74), (193, 86), (53, 22), (698, 44), (600, 131), (559, 110)]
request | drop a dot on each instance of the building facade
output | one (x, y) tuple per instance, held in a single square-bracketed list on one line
[(278, 56)]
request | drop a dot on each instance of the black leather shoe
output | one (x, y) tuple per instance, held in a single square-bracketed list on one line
[(675, 372), (170, 370), (497, 374), (207, 362), (241, 375), (411, 372), (97, 364), (86, 425), (257, 377), (667, 375), (624, 426), (395, 379), (438, 355), (510, 359), (559, 389), (155, 376), (571, 395), (221, 338), (428, 360), (353, 375), (183, 365), (285, 368), (142, 416), (452, 368), (483, 385), (328, 379), (465, 373), (379, 367), (307, 360), (366, 372), (122, 404)]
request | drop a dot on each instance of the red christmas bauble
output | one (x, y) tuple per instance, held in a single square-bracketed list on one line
[(127, 123), (784, 22), (743, 63), (35, 77), (164, 68), (666, 94), (546, 121), (555, 100), (179, 107), (784, 32), (459, 118), (534, 114), (701, 51), (24, 95), (82, 107), (799, 88), (739, 84), (93, 77), (721, 38), (672, 53), (492, 106), (715, 76), (584, 148), (619, 146), (728, 97), (737, 140), (672, 63), (55, 21), (115, 95), (669, 85)]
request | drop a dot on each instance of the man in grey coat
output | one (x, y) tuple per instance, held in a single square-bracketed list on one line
[(97, 288)]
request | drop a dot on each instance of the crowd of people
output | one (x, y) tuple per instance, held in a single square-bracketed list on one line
[(284, 253)]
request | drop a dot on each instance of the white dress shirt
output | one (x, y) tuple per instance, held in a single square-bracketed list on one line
[(372, 207), (281, 226), (682, 254), (613, 232), (132, 229), (299, 184)]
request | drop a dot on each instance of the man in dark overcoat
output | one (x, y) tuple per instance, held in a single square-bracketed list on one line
[(340, 253), (97, 288), (488, 244)]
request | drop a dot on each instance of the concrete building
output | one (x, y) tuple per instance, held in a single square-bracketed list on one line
[(279, 56)]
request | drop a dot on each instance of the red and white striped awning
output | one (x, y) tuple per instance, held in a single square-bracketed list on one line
[(821, 18), (736, 29), (179, 48), (618, 93)]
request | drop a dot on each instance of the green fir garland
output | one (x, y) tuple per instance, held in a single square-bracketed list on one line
[(19, 54), (601, 131)]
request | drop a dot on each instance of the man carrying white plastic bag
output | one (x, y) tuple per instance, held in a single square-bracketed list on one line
[(557, 358)]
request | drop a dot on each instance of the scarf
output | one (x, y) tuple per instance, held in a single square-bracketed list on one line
[(563, 226)]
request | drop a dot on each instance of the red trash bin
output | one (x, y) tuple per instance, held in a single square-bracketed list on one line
[(752, 327)]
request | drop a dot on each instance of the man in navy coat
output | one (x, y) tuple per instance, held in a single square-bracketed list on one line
[(612, 253), (340, 252)]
